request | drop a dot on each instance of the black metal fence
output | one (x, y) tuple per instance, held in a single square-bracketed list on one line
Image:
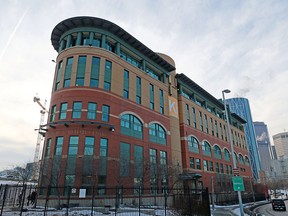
[(232, 198), (95, 201)]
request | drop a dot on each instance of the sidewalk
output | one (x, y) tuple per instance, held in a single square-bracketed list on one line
[(223, 212)]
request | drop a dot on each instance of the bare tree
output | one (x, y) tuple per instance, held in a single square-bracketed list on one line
[(22, 173)]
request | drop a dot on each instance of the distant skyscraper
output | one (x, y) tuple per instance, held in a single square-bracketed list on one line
[(281, 144), (241, 107), (264, 145), (274, 152)]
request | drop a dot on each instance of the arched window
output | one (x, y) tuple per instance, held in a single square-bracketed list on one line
[(226, 155), (193, 144), (241, 159), (206, 148), (217, 152), (157, 134), (131, 126), (247, 162)]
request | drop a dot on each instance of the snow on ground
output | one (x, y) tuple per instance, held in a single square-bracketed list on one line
[(87, 212)]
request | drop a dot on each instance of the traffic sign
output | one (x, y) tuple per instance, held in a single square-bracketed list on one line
[(238, 183)]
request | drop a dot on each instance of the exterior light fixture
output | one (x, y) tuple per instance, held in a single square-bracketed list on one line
[(112, 129)]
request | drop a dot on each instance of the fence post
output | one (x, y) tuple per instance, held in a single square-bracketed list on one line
[(68, 201), (4, 197), (92, 205), (165, 197), (47, 198), (139, 201), (189, 199), (23, 192), (207, 198)]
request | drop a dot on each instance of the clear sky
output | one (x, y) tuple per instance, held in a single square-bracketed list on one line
[(240, 45)]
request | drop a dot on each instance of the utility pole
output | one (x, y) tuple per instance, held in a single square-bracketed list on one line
[(232, 149)]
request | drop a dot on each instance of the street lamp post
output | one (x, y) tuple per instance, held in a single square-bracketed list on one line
[(232, 148)]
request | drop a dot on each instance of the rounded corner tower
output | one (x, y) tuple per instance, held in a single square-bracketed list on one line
[(109, 111)]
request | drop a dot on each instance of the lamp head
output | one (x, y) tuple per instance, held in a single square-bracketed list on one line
[(226, 91)]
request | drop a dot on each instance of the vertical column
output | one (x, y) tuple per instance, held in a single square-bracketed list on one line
[(118, 48), (103, 41), (91, 37), (68, 41), (61, 45), (143, 65), (79, 38)]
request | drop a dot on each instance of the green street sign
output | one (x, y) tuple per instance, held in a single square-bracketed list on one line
[(238, 184)]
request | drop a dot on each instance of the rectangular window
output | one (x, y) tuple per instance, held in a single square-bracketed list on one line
[(153, 156), (161, 98), (164, 170), (89, 146), (107, 75), (138, 90), (138, 162), (227, 169), (80, 76), (192, 163), (151, 97), (59, 145), (216, 128), (92, 109), (211, 167), (206, 123), (103, 157), (225, 134), (59, 72), (126, 84), (103, 147), (73, 145), (201, 121), (63, 111), (198, 164), (48, 147), (95, 68), (69, 180), (105, 113), (153, 171), (212, 126), (205, 165), (163, 158), (53, 113), (194, 117), (187, 115), (221, 168), (77, 108), (217, 167), (124, 159), (221, 131), (68, 70)]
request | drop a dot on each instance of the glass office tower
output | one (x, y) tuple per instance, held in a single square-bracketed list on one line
[(241, 107), (264, 145)]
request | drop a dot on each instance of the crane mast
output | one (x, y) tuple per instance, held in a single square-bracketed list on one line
[(39, 137)]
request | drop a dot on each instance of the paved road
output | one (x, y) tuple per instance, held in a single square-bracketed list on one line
[(222, 212), (268, 211)]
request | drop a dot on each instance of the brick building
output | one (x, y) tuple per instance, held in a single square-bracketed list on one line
[(120, 115)]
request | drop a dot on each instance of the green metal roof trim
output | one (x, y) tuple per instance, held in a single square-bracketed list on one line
[(195, 87), (238, 118), (85, 21)]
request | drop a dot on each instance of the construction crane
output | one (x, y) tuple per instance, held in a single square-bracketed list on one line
[(39, 137)]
